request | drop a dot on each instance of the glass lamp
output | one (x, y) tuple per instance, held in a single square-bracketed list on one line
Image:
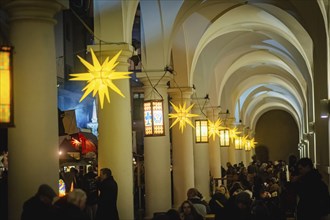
[(224, 137), (201, 130), (239, 143), (153, 118), (6, 87)]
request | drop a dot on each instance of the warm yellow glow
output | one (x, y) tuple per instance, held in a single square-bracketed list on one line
[(153, 118), (5, 86), (233, 133), (253, 143), (182, 116), (238, 143), (214, 128), (201, 131), (224, 137), (61, 188), (249, 143), (242, 143), (100, 77)]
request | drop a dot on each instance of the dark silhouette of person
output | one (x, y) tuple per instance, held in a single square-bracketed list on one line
[(107, 202), (238, 207), (71, 206), (314, 199), (40, 205), (90, 187), (218, 202)]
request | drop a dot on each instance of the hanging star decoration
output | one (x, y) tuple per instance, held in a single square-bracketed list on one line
[(100, 77), (253, 143), (215, 127), (182, 116), (233, 133)]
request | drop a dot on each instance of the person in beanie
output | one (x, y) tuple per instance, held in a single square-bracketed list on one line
[(40, 206)]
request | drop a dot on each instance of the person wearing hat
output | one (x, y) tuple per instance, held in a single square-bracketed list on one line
[(40, 206)]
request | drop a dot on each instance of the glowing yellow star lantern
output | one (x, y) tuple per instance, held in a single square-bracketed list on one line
[(182, 116), (100, 77), (253, 143), (233, 133), (215, 127)]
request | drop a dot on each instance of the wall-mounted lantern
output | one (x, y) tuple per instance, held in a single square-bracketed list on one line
[(201, 131), (153, 118), (224, 137), (6, 88)]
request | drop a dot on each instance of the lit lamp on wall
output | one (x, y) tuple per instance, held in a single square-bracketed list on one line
[(6, 87), (224, 137), (247, 145), (325, 108), (153, 118), (201, 129), (239, 143)]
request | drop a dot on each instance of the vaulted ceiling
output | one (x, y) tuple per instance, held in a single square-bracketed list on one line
[(249, 56)]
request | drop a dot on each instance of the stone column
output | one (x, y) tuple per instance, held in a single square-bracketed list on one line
[(157, 154), (232, 154), (182, 152), (240, 155), (115, 131), (214, 148), (201, 162), (248, 156), (33, 142)]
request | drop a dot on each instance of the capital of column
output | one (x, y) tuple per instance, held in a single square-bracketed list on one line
[(33, 10), (154, 78), (181, 93), (213, 112)]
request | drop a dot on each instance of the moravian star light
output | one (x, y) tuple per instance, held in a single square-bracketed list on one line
[(233, 133), (214, 128), (182, 116), (100, 77)]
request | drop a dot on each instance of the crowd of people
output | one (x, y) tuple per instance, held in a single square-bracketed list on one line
[(92, 198), (260, 191)]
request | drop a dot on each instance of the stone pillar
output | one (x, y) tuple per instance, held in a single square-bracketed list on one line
[(201, 163), (182, 153), (115, 131), (248, 156), (240, 155), (214, 148), (33, 142), (157, 153), (245, 158), (232, 154)]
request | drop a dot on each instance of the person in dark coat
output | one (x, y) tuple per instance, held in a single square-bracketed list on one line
[(40, 205), (71, 207), (314, 199), (238, 207), (107, 202), (90, 187), (218, 202)]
